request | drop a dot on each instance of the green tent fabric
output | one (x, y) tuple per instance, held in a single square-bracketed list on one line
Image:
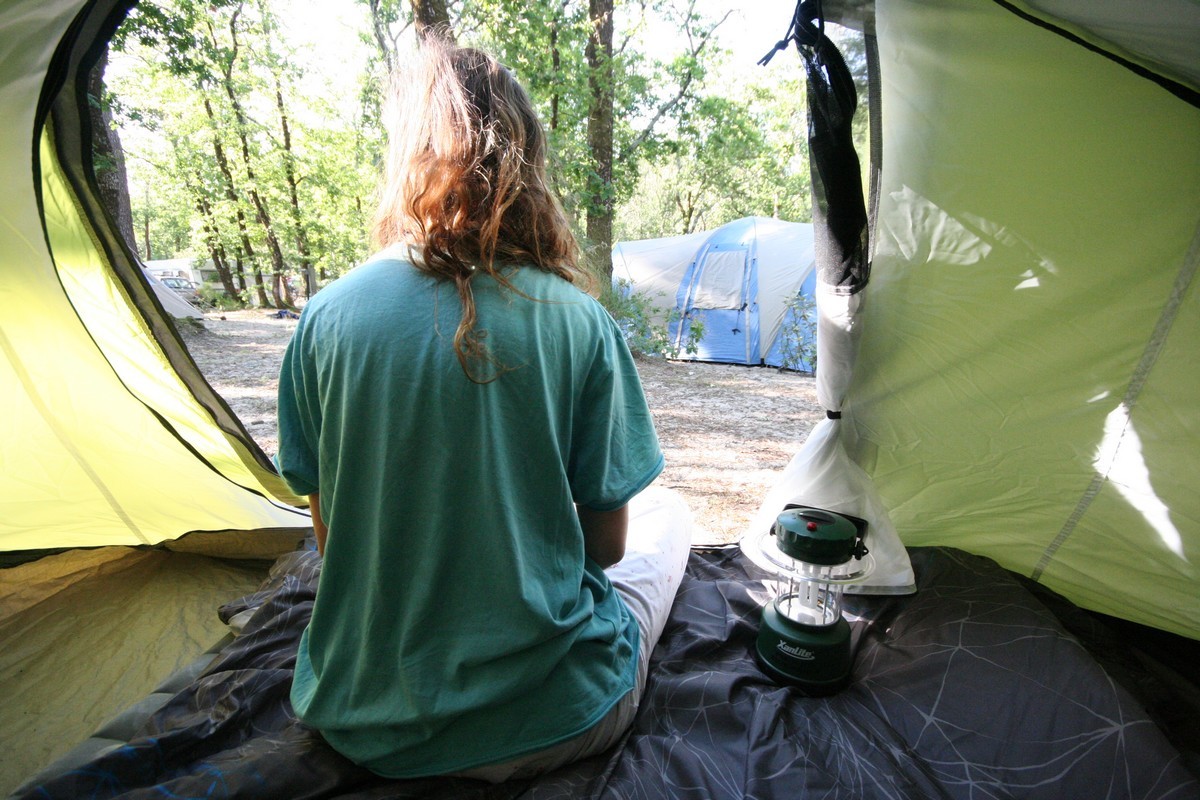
[(109, 437), (1027, 382), (1017, 377)]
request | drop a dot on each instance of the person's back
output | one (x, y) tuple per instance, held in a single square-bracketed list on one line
[(453, 509), (470, 428)]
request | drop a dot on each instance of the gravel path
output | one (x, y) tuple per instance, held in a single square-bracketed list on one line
[(726, 430)]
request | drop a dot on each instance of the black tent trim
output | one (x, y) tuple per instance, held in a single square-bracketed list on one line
[(1184, 93), (63, 104), (839, 211)]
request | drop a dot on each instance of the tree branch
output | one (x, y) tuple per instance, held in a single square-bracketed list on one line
[(685, 84), (632, 29)]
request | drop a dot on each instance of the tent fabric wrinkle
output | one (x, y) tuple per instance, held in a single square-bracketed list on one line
[(822, 475), (91, 632)]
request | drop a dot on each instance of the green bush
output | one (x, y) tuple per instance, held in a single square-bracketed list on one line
[(798, 337), (635, 315), (214, 297)]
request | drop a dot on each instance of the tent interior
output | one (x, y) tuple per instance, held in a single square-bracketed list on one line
[(1018, 400)]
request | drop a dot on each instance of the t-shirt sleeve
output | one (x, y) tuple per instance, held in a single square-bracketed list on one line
[(299, 413), (615, 451)]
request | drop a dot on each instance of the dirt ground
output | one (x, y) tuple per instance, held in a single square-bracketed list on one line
[(726, 430)]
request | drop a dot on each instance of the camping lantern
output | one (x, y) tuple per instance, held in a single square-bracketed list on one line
[(803, 639)]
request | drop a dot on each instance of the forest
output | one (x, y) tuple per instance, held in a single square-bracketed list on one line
[(247, 133)]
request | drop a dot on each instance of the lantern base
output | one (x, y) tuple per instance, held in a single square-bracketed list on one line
[(814, 658)]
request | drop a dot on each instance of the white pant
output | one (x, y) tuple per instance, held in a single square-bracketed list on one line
[(656, 551)]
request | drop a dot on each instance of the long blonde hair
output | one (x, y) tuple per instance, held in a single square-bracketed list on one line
[(465, 181)]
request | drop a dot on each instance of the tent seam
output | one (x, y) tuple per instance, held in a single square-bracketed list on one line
[(1154, 346), (36, 399), (1176, 88)]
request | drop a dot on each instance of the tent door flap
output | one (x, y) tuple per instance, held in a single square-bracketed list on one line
[(718, 291)]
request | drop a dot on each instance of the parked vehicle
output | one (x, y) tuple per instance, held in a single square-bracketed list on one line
[(184, 288)]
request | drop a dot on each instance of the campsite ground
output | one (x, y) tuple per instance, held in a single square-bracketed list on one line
[(726, 430)]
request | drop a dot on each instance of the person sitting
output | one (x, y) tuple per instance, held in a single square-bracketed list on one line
[(474, 440)]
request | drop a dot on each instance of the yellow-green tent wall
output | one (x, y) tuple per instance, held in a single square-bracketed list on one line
[(108, 436), (1027, 386)]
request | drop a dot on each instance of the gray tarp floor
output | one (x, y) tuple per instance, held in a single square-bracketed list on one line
[(971, 688)]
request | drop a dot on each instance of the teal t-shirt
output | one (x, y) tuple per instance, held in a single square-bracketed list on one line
[(458, 621)]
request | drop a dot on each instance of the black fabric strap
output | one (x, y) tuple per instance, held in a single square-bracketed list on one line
[(839, 210)]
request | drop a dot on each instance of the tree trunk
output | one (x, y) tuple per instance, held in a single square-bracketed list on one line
[(146, 227), (239, 274), (289, 168), (432, 17), (383, 39), (262, 213), (600, 138), (555, 63), (687, 210), (260, 289), (212, 239), (108, 158), (231, 194)]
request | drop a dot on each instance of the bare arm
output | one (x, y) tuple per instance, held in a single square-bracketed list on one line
[(604, 534), (314, 505)]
